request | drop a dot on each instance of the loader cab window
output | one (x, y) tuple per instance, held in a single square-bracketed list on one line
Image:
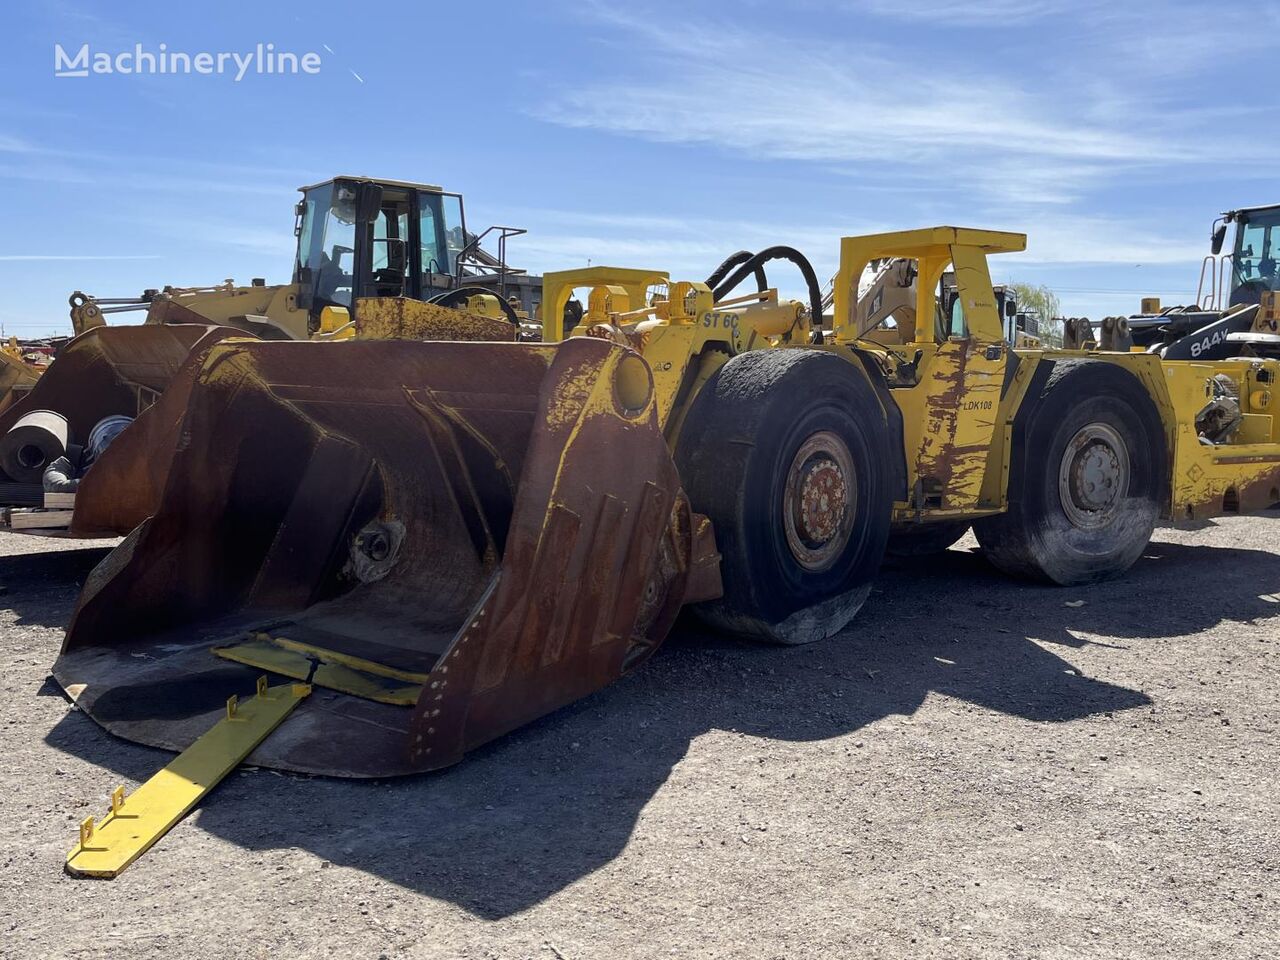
[(428, 224), (1257, 248), (441, 231), (326, 246), (956, 326), (390, 225), (949, 319), (455, 233), (388, 252)]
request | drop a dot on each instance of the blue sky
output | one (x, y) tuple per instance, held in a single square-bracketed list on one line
[(643, 134)]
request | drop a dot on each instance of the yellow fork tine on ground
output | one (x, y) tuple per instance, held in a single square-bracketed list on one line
[(137, 821)]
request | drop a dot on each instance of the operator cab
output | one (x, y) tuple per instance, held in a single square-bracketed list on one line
[(375, 238), (1257, 247)]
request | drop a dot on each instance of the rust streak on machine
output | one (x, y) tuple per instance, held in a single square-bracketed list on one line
[(400, 318)]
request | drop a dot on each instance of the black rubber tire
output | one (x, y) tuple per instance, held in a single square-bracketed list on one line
[(925, 539), (1036, 538), (735, 451)]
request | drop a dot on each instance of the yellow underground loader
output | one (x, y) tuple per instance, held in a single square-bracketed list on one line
[(459, 537)]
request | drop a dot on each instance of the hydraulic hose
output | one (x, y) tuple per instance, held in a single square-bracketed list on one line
[(451, 298), (731, 261), (755, 264)]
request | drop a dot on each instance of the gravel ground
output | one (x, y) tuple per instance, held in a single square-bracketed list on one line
[(978, 768)]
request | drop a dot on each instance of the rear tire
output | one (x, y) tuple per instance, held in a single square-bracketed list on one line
[(787, 452), (1086, 481)]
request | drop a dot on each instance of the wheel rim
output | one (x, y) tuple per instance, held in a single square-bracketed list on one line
[(818, 504), (1093, 476)]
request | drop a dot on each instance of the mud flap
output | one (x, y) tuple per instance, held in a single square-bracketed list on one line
[(503, 519)]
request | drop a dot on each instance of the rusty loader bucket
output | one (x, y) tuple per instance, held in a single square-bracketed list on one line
[(447, 540), (106, 371)]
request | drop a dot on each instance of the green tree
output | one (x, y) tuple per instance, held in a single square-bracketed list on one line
[(1039, 299)]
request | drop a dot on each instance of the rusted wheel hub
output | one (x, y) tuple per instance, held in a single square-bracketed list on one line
[(1093, 476), (818, 505)]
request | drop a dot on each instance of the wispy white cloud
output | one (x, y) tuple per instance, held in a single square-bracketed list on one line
[(19, 257), (276, 244), (10, 144), (691, 247), (1061, 238), (687, 247), (1013, 132), (90, 24), (146, 175), (1086, 258), (1040, 134), (977, 13)]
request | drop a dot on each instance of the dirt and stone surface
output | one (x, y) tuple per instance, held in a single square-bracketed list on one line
[(978, 768)]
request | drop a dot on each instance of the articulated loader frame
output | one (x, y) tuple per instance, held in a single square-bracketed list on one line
[(457, 538), (516, 508)]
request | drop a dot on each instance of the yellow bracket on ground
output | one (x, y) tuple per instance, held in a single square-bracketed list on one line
[(137, 821), (330, 669)]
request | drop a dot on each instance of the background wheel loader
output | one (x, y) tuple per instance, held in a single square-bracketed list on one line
[(375, 258), (358, 238), (479, 533), (1237, 307)]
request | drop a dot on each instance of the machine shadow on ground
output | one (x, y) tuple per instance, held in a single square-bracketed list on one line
[(35, 585), (523, 818)]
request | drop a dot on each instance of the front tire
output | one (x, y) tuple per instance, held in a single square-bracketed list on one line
[(1086, 482), (786, 451)]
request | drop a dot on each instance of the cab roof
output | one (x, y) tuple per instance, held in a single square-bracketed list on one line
[(428, 187), (1232, 214)]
